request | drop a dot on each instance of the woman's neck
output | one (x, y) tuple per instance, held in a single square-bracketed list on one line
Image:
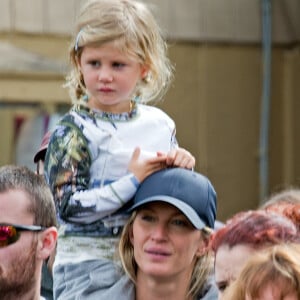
[(153, 288)]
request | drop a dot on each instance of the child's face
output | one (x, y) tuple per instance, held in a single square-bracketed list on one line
[(110, 77)]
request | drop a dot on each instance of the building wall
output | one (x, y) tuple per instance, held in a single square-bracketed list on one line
[(216, 96), (198, 20), (217, 114)]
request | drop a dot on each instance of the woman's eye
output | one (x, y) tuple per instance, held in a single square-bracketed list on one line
[(147, 218), (178, 222)]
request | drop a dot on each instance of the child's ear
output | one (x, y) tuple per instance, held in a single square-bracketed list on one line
[(47, 242), (144, 72)]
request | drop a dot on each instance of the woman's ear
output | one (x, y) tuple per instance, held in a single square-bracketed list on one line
[(201, 251), (47, 242), (130, 233), (202, 247)]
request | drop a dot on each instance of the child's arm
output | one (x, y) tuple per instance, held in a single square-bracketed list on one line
[(143, 168), (179, 157), (67, 171)]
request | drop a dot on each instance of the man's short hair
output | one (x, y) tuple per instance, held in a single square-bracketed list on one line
[(41, 200)]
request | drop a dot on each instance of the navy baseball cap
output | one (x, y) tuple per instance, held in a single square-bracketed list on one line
[(189, 191)]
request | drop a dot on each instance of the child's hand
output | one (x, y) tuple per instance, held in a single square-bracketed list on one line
[(142, 168), (180, 158)]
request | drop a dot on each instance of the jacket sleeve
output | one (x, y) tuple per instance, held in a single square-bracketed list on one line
[(67, 171)]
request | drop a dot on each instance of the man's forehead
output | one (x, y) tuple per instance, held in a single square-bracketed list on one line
[(14, 207)]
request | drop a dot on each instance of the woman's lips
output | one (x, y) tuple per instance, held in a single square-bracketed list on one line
[(158, 252)]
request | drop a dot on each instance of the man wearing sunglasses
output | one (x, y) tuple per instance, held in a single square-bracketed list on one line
[(27, 232)]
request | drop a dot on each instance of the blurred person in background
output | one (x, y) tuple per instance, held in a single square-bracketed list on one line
[(287, 203), (290, 195), (271, 274), (242, 236)]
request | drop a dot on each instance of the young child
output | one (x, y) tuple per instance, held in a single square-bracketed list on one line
[(110, 140)]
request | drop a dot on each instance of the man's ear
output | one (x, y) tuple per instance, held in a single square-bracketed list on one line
[(47, 242)]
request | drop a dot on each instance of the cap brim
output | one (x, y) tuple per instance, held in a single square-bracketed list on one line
[(40, 155), (187, 210)]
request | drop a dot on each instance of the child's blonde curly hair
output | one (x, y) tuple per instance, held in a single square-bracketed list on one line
[(131, 26)]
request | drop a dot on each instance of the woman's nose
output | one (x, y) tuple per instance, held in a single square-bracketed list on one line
[(159, 232)]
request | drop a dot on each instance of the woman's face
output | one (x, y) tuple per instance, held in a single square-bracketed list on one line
[(165, 242), (228, 264)]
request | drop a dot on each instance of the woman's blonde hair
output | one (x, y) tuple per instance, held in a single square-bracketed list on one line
[(201, 272), (132, 27), (278, 265)]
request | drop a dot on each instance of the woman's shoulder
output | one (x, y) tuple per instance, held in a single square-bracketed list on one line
[(123, 289), (210, 292)]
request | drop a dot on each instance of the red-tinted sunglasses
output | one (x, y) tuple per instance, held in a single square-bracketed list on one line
[(10, 233)]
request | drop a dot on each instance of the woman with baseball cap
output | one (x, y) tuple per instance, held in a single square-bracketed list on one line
[(164, 245)]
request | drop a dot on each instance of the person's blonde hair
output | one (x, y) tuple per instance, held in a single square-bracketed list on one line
[(278, 265), (132, 27), (201, 272), (289, 195)]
